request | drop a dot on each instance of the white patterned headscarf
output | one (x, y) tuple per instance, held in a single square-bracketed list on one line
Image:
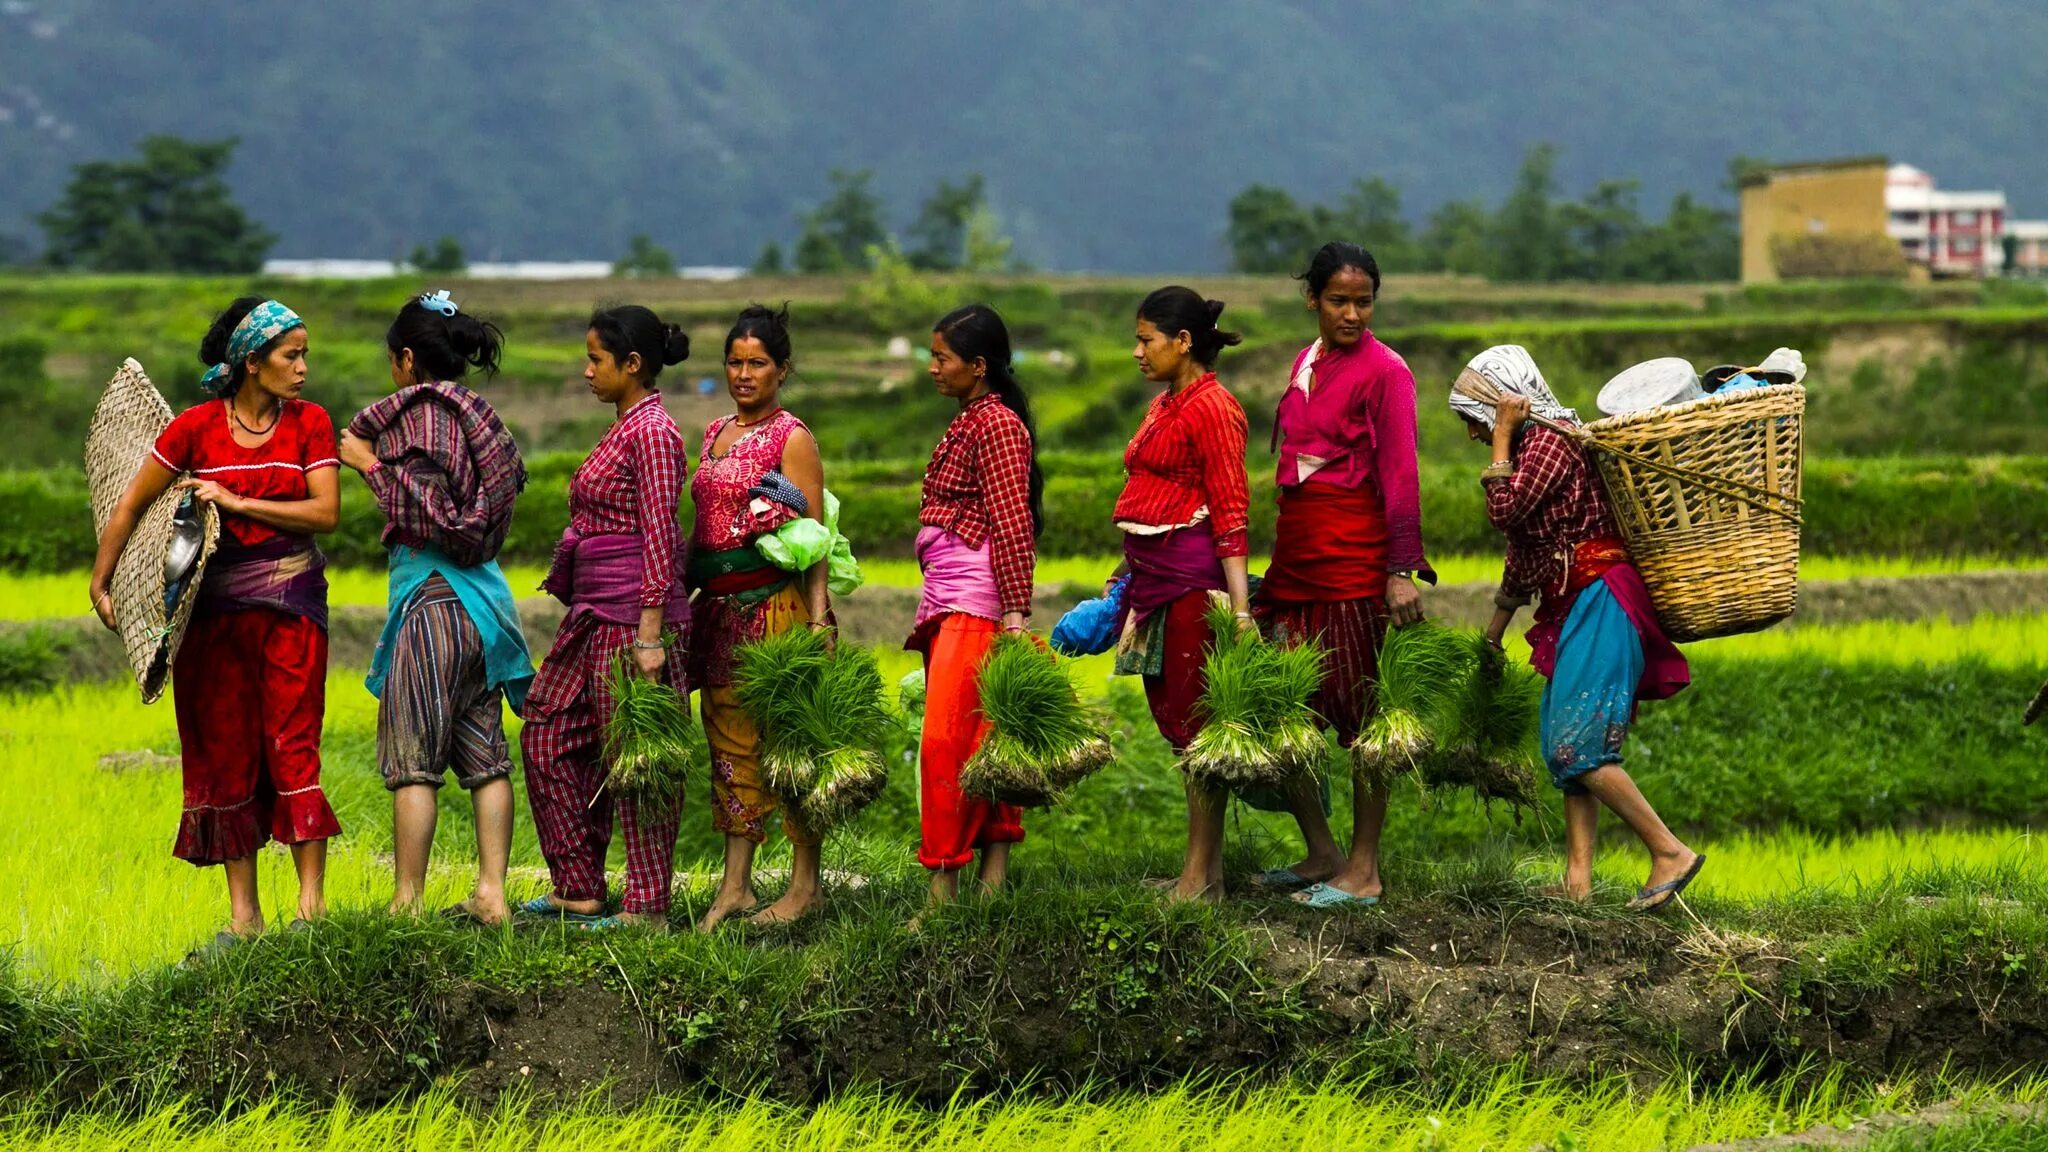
[(1505, 368)]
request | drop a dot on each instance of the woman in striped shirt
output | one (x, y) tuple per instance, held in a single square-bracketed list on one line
[(1183, 512), (981, 514)]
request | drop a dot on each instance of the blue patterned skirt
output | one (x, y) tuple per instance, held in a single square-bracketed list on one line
[(1591, 696)]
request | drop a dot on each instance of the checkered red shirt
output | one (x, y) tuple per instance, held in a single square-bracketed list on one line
[(631, 483), (1551, 505), (978, 487), (1188, 459)]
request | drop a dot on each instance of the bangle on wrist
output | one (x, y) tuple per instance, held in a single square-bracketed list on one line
[(649, 645)]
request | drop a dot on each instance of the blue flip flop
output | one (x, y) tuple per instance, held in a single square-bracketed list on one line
[(1282, 880), (1651, 899), (1325, 896), (542, 908)]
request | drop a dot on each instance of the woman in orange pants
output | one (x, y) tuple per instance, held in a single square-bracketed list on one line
[(981, 514)]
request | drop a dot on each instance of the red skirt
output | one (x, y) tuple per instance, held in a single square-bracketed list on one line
[(250, 690), (1330, 544)]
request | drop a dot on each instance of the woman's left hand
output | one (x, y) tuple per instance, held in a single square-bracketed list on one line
[(208, 492), (1013, 622), (650, 662), (1512, 411), (358, 453), (1404, 601)]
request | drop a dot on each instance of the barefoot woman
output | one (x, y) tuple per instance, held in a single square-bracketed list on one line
[(740, 597), (445, 472), (618, 568), (250, 679), (1596, 635), (1183, 513), (981, 514), (1348, 546)]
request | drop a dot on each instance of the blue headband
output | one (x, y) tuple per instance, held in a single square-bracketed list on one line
[(264, 323)]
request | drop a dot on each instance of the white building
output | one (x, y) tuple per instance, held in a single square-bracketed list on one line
[(1951, 233)]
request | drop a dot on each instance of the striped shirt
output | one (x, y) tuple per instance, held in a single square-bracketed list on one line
[(978, 487), (202, 441), (448, 470), (1186, 465), (631, 484)]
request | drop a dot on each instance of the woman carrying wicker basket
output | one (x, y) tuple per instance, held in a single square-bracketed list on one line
[(1184, 512), (1348, 547), (251, 676), (1596, 636), (618, 569), (445, 472), (759, 466), (981, 513)]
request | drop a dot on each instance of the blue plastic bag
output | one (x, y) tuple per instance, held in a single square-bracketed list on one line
[(1090, 627)]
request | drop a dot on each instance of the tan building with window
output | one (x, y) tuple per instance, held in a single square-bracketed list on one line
[(1834, 198)]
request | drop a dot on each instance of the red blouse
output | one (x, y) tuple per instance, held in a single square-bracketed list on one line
[(978, 487), (202, 441), (1356, 424), (1551, 505), (1187, 463), (631, 484)]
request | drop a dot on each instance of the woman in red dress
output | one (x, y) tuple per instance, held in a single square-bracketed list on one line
[(250, 678), (1183, 512)]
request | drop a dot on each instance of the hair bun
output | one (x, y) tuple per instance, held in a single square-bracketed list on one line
[(1215, 310), (675, 347)]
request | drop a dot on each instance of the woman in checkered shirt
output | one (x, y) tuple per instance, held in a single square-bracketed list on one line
[(1596, 636), (981, 514)]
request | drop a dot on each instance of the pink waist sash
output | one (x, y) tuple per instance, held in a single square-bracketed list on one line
[(956, 578)]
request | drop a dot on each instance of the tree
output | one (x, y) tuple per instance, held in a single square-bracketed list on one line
[(1599, 237), (1268, 231), (840, 232), (167, 210), (769, 262), (1370, 215), (445, 257), (644, 258), (1457, 239), (1528, 244), (939, 234), (986, 248), (1696, 242)]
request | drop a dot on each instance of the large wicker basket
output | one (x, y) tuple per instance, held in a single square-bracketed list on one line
[(130, 416), (1707, 494)]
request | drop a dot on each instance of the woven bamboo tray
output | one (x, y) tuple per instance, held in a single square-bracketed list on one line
[(1707, 494), (130, 416)]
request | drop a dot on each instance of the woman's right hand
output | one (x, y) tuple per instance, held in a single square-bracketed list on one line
[(650, 662), (103, 606)]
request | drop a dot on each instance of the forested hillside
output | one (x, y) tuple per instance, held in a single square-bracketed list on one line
[(1112, 137)]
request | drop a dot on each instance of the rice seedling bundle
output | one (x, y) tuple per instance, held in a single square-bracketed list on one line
[(650, 738), (1422, 673), (1257, 728), (1492, 733), (1042, 740), (821, 716)]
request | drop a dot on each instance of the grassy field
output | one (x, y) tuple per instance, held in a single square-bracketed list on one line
[(1508, 1112)]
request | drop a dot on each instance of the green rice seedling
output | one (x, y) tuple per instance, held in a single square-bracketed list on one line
[(821, 715), (1257, 729), (650, 739), (1042, 740), (1422, 669), (1492, 728)]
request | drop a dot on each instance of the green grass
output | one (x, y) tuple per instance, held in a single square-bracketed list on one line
[(1507, 1112)]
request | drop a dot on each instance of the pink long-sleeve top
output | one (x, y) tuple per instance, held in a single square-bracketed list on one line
[(1348, 421)]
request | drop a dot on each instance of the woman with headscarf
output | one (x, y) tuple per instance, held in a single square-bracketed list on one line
[(250, 679), (445, 472), (1596, 637), (618, 568)]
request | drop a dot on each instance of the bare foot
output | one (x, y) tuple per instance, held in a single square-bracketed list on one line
[(1577, 893), (726, 905), (477, 910), (246, 928), (313, 909), (402, 906), (1211, 893), (658, 921), (789, 908), (1159, 883)]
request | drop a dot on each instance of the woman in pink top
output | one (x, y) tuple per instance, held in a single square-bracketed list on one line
[(1348, 547)]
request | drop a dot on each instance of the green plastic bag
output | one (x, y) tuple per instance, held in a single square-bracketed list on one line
[(801, 543)]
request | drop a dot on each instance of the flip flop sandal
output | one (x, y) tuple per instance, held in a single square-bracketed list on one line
[(1281, 880), (1651, 899), (221, 942), (1326, 896), (602, 924), (1158, 883), (542, 908)]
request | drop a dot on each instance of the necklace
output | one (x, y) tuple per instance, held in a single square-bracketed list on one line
[(739, 423), (276, 413)]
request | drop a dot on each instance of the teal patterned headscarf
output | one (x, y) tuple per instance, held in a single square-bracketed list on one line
[(264, 323)]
